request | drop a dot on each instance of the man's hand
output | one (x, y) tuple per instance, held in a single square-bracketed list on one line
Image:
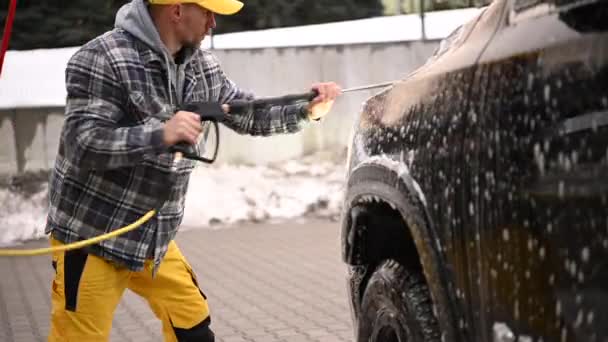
[(182, 127), (321, 105), (327, 92)]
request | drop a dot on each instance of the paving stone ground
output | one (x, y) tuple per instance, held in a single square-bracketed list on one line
[(264, 283)]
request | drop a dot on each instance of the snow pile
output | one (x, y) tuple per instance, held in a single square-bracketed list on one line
[(22, 216), (218, 196), (229, 194)]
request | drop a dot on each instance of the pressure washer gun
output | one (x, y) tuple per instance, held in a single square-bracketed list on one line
[(212, 112)]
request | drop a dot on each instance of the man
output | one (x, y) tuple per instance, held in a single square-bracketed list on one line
[(124, 90)]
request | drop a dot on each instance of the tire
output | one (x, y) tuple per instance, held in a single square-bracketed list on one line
[(397, 307)]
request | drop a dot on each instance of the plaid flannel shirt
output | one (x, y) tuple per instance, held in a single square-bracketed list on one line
[(112, 166)]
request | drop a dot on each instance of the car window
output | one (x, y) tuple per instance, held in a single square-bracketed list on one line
[(465, 31), (456, 38), (448, 54)]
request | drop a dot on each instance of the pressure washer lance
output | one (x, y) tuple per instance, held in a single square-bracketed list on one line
[(212, 112)]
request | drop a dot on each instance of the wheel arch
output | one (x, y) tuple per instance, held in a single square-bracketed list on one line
[(382, 183)]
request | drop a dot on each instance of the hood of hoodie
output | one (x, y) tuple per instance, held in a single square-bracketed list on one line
[(134, 17)]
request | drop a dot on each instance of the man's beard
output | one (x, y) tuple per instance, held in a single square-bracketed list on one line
[(193, 43)]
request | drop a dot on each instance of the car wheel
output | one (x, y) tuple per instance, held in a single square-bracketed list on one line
[(397, 307)]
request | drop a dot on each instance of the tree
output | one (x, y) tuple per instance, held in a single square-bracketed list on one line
[(62, 23), (263, 14), (413, 6), (59, 23)]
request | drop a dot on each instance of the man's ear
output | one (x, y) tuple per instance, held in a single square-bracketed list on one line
[(177, 11)]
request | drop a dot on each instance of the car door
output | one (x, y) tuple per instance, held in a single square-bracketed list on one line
[(437, 160), (411, 137), (537, 161)]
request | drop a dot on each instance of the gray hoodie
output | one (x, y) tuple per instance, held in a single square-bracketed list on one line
[(134, 17), (122, 170)]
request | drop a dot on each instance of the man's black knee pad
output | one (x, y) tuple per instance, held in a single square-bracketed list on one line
[(199, 333)]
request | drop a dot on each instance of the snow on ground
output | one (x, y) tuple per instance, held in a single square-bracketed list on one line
[(22, 217), (218, 196), (228, 194)]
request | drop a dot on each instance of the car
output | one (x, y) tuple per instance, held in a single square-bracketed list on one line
[(476, 201)]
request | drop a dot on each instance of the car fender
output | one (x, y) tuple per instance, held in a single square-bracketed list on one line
[(386, 179)]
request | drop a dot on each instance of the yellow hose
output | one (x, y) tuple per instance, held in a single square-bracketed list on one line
[(79, 244)]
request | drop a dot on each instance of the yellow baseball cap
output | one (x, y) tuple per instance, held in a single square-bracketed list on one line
[(224, 7)]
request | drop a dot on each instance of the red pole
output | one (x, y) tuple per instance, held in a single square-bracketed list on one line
[(8, 26)]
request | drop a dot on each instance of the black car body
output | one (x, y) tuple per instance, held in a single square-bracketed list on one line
[(476, 205)]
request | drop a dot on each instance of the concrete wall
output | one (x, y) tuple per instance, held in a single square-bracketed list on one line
[(29, 137)]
